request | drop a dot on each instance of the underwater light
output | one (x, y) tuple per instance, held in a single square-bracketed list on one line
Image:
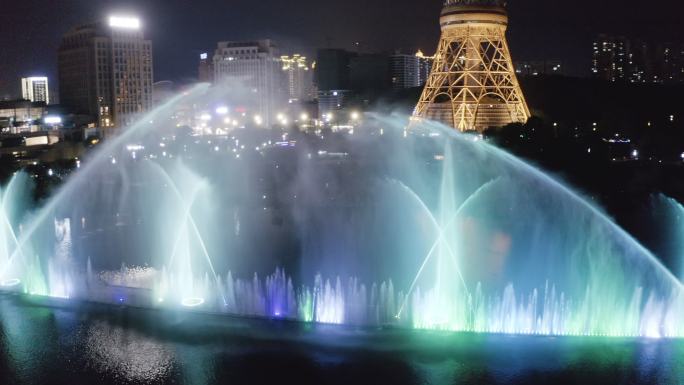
[(10, 282), (192, 302)]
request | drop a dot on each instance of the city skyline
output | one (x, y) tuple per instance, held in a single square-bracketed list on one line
[(560, 31)]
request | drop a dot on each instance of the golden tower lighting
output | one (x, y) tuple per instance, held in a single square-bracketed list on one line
[(473, 85)]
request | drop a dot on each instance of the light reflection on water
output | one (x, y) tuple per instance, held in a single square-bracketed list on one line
[(126, 353), (100, 345)]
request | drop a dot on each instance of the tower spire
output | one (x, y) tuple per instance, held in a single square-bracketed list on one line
[(473, 85)]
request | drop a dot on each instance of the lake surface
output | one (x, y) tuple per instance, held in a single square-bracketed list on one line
[(53, 343)]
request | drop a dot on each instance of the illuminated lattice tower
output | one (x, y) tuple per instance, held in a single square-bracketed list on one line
[(473, 85)]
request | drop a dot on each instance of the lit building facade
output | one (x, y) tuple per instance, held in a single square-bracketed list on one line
[(19, 116), (35, 89), (105, 70), (405, 71), (257, 66), (330, 102), (611, 58), (299, 77), (205, 70), (424, 66)]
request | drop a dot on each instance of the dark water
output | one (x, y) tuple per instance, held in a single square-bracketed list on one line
[(89, 344)]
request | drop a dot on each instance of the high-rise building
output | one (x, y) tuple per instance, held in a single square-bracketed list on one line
[(640, 63), (425, 66), (257, 66), (669, 63), (35, 89), (299, 77), (105, 70), (611, 58), (369, 74), (405, 71), (205, 71), (332, 69)]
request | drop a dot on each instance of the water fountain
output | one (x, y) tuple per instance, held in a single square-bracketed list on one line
[(669, 214), (424, 228)]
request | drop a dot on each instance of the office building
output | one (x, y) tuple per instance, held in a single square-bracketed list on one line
[(256, 65), (405, 71), (332, 69), (369, 74), (205, 71), (35, 89), (105, 71)]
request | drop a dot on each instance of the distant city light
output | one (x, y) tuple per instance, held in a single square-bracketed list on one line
[(355, 115), (124, 22), (135, 147), (204, 56), (52, 120), (222, 110), (304, 117), (205, 117)]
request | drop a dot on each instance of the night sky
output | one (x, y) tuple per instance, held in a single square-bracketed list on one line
[(30, 30)]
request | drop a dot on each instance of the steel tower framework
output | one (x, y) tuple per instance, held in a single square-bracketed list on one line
[(473, 84)]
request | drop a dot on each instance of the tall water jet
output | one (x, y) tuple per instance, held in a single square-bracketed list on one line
[(669, 215), (13, 207)]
